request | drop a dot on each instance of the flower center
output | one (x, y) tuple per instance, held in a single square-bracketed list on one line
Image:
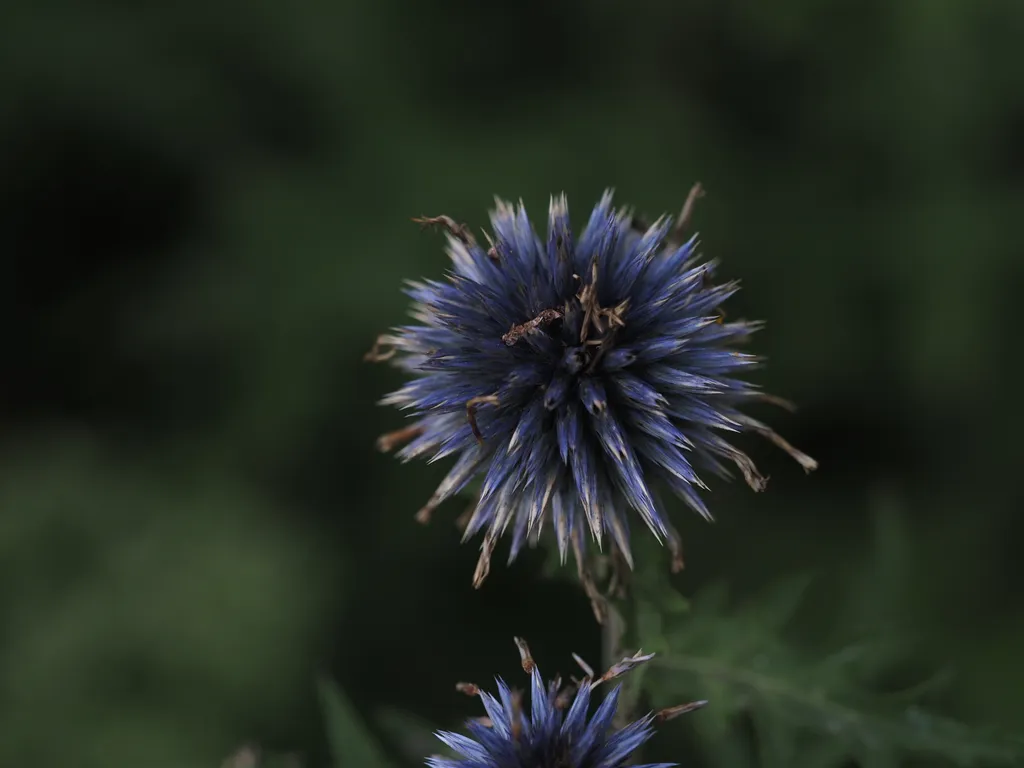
[(575, 359)]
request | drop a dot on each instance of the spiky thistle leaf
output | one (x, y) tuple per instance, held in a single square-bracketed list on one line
[(801, 705)]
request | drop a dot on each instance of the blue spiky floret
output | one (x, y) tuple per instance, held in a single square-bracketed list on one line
[(556, 731), (574, 375)]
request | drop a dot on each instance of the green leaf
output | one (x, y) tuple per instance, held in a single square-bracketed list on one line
[(351, 744), (650, 627), (776, 607), (737, 659), (412, 737)]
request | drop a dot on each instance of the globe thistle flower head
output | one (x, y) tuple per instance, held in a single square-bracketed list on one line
[(574, 375), (556, 731)]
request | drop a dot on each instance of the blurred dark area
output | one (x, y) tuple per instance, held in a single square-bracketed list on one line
[(205, 216)]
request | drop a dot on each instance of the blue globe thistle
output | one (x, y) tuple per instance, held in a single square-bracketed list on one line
[(555, 732), (575, 375)]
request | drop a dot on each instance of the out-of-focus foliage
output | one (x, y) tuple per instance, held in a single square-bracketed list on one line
[(198, 589), (349, 742), (205, 208)]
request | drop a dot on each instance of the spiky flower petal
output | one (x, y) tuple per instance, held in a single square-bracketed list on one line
[(572, 375), (556, 731)]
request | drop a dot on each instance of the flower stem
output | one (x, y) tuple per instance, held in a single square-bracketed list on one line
[(613, 630)]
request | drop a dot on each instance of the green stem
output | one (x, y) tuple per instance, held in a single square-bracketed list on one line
[(612, 633)]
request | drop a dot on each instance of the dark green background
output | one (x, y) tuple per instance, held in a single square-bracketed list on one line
[(205, 222)]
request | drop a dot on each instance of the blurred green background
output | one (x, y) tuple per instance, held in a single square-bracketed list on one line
[(205, 222)]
